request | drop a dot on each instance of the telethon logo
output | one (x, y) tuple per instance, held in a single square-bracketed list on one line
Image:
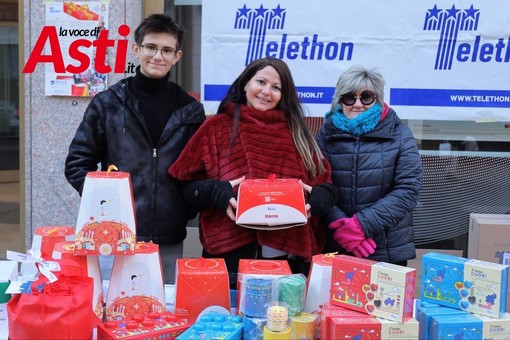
[(50, 35), (260, 20), (449, 22)]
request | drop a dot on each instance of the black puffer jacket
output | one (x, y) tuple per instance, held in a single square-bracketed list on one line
[(379, 176), (114, 132)]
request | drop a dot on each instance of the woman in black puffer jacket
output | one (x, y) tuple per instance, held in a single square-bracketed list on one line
[(376, 168)]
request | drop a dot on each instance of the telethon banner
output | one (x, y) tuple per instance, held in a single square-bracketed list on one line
[(442, 60)]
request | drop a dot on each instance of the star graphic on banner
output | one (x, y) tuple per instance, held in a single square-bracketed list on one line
[(261, 11), (136, 306), (105, 232), (471, 12), (278, 11), (243, 11), (434, 12), (453, 12)]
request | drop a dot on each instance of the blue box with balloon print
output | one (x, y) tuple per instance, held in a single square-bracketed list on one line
[(471, 285)]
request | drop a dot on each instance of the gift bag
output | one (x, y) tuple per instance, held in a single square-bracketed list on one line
[(106, 220), (89, 267), (136, 285), (57, 310)]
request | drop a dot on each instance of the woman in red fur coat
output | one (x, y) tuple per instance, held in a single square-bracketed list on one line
[(259, 130)]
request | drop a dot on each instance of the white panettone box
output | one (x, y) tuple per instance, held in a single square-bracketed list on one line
[(106, 222)]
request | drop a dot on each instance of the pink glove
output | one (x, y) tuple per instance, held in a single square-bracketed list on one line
[(365, 248), (349, 233)]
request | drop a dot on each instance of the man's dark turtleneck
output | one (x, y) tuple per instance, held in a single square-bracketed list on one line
[(156, 99)]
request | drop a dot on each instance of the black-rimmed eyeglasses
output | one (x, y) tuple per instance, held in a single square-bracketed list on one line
[(366, 98)]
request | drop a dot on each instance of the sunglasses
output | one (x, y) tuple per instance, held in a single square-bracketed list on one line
[(366, 98)]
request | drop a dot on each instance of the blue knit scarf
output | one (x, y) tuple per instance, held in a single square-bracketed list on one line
[(359, 125)]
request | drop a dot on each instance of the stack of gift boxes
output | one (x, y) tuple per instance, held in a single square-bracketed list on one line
[(343, 296), (460, 298), (349, 297), (363, 299), (106, 225), (134, 307)]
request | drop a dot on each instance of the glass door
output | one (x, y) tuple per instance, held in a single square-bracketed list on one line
[(10, 227), (9, 98)]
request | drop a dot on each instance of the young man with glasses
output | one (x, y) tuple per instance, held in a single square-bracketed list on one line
[(141, 124), (376, 168)]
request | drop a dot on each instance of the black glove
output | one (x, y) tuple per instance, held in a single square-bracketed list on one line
[(322, 198), (207, 192)]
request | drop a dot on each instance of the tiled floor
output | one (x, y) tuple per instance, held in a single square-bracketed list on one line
[(10, 234)]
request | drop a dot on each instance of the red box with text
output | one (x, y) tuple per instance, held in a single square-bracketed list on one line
[(270, 204), (376, 288)]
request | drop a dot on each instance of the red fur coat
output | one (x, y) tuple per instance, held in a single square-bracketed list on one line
[(264, 146)]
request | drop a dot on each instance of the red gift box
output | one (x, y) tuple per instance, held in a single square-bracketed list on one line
[(329, 312), (367, 327), (376, 288), (201, 285), (45, 238), (350, 327), (270, 204)]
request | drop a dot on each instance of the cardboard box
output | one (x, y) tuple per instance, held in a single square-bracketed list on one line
[(201, 285), (489, 236), (376, 288), (489, 239), (270, 204)]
